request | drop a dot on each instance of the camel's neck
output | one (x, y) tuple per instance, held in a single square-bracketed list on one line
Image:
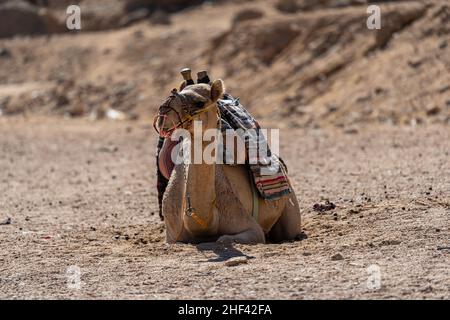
[(200, 179)]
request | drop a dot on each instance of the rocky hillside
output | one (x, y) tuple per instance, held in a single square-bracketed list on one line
[(294, 62)]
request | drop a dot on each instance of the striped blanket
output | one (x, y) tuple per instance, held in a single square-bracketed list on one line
[(268, 170), (269, 173)]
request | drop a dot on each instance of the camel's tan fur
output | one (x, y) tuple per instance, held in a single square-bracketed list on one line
[(220, 194)]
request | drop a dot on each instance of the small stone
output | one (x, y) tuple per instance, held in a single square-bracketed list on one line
[(110, 148), (427, 289), (337, 257), (351, 131), (415, 63), (322, 207), (433, 110), (379, 90), (390, 243), (236, 261), (5, 222), (5, 53)]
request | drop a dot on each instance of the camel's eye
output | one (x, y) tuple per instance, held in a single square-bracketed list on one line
[(199, 104)]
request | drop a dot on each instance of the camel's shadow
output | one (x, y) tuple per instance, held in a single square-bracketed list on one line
[(223, 252)]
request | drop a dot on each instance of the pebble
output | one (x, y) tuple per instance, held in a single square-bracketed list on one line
[(5, 53), (236, 261), (5, 222), (337, 257), (322, 207), (390, 242), (110, 148), (415, 63)]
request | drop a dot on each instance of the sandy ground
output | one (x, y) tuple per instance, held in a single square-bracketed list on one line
[(83, 194)]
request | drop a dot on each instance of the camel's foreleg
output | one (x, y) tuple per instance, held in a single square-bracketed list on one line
[(253, 235), (288, 227)]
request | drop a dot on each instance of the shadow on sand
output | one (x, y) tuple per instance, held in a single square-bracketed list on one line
[(223, 252)]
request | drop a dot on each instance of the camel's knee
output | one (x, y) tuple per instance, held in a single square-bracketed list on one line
[(288, 227), (251, 236)]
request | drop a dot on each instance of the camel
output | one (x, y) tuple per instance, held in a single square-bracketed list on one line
[(220, 196)]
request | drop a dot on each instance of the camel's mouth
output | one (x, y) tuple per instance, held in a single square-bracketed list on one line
[(165, 125), (168, 118)]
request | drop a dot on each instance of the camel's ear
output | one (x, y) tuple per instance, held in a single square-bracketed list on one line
[(217, 89), (183, 85)]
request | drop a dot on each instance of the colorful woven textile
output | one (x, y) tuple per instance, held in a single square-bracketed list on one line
[(269, 174)]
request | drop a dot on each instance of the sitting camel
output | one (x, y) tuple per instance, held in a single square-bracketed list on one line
[(214, 202)]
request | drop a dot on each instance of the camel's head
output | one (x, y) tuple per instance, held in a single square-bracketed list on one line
[(188, 104)]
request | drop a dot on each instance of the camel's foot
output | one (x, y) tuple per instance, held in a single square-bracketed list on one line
[(247, 237)]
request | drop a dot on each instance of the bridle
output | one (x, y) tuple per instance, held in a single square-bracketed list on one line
[(162, 115)]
